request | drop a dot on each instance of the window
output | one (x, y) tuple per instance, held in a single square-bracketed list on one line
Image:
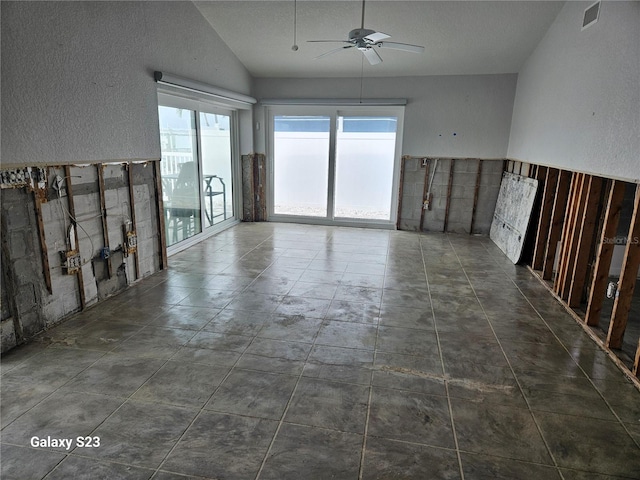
[(335, 166), (199, 169)]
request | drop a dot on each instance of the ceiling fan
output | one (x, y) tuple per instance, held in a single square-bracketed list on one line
[(366, 41)]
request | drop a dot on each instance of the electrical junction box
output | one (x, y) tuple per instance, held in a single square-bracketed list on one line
[(132, 242), (71, 262)]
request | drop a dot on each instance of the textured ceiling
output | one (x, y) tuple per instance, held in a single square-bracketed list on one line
[(461, 37)]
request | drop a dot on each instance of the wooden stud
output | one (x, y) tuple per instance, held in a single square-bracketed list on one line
[(162, 239), (628, 279), (566, 231), (636, 363), (572, 252), (400, 191), (425, 192), (558, 214), (72, 212), (544, 223), (446, 211), (587, 222), (605, 253), (43, 242), (103, 211), (475, 196), (132, 206)]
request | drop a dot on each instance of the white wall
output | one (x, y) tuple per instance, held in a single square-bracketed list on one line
[(77, 77), (577, 103), (477, 108)]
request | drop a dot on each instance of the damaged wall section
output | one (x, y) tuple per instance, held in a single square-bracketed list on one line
[(93, 210), (460, 194)]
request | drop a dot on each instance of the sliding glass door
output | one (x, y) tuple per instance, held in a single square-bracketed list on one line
[(365, 159), (335, 166), (198, 169)]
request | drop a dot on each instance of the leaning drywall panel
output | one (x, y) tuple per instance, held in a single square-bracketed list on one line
[(513, 212)]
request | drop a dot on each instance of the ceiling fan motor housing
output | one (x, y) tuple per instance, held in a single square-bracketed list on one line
[(360, 33)]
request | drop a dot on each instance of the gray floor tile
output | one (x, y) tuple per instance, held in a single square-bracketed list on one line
[(222, 446), (62, 415), (409, 380), (266, 347), (344, 334), (327, 404), (345, 311), (485, 467), (220, 341), (308, 307), (182, 383), (237, 322), (253, 394), (591, 445), (79, 468), (294, 328), (313, 290), (115, 375), (396, 316), (410, 416), (205, 356), (406, 341), (191, 318), (20, 463), (140, 433), (498, 430), (312, 454), (386, 459)]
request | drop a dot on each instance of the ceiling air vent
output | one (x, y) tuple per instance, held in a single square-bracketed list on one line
[(591, 15)]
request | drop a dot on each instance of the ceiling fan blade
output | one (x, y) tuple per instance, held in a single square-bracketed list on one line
[(336, 50), (402, 46), (371, 55), (328, 41), (375, 37)]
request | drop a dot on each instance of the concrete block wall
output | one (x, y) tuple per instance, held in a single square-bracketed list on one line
[(28, 306), (462, 194)]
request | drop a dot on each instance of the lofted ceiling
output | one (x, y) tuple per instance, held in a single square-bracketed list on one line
[(460, 37)]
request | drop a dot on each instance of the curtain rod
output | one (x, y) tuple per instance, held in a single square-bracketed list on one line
[(201, 88), (336, 101)]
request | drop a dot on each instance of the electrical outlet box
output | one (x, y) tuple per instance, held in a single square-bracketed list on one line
[(71, 262), (15, 177), (33, 177), (132, 242)]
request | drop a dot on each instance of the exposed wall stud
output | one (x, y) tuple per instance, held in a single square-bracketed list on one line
[(566, 231), (544, 223), (132, 206), (573, 242), (628, 279), (43, 242), (587, 223), (162, 238), (605, 253), (401, 190), (636, 363), (475, 196), (72, 211), (425, 192), (103, 214), (450, 185), (558, 214)]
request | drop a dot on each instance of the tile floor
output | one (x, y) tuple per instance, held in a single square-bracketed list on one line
[(276, 351)]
